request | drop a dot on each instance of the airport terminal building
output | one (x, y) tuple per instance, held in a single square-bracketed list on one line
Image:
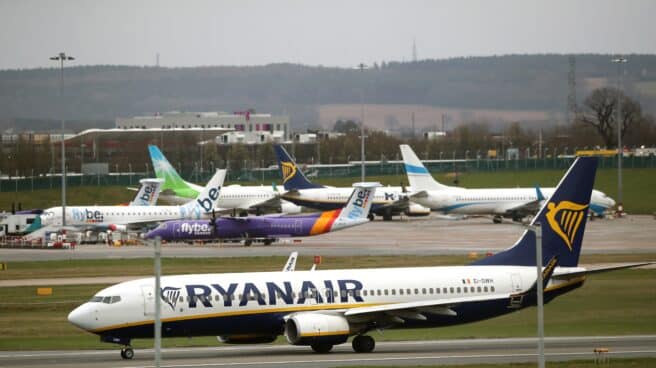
[(242, 127)]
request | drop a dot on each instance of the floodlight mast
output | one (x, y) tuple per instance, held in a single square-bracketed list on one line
[(61, 58)]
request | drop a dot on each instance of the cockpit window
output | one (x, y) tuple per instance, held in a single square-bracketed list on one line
[(105, 299), (162, 226)]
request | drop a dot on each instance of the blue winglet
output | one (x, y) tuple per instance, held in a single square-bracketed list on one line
[(538, 193)]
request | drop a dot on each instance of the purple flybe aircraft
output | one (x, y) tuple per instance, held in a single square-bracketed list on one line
[(269, 228)]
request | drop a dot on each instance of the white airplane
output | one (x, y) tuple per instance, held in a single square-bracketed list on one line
[(234, 198), (515, 203), (119, 218), (324, 308), (388, 201)]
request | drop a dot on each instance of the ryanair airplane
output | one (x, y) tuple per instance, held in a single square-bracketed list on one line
[(321, 309), (389, 201)]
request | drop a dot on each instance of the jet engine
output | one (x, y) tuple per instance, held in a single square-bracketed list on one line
[(114, 227), (416, 210), (289, 208), (311, 328)]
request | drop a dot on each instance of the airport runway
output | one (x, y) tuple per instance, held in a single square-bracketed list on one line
[(414, 236), (387, 353)]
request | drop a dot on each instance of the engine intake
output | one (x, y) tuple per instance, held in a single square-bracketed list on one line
[(316, 328)]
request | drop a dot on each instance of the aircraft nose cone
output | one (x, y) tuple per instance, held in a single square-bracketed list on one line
[(82, 317)]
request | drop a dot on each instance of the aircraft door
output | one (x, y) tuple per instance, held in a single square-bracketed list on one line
[(149, 299), (516, 282)]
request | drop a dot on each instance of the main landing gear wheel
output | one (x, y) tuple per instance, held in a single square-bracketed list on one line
[(370, 217), (127, 353), (497, 219), (363, 344), (321, 348)]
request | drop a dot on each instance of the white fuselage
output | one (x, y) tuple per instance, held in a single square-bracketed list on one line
[(241, 197), (337, 196), (203, 296), (493, 201), (118, 215)]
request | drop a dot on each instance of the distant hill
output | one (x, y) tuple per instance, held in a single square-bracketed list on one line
[(533, 83)]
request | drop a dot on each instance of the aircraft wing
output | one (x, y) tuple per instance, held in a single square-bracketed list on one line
[(419, 194), (269, 204), (527, 208), (399, 205), (416, 310)]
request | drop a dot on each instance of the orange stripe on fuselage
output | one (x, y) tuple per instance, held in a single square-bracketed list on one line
[(325, 222)]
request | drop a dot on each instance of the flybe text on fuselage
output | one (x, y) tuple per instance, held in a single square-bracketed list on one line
[(269, 293)]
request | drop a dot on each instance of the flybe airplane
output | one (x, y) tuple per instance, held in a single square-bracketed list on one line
[(324, 308), (146, 196), (389, 201), (119, 218), (270, 228), (515, 203), (234, 198)]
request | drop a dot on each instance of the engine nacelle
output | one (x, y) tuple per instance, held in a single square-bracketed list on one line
[(316, 328), (289, 207), (114, 227), (416, 210), (246, 339)]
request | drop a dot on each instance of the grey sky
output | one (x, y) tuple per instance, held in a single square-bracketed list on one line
[(330, 33)]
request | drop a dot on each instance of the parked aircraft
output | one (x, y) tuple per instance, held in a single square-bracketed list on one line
[(389, 201), (324, 308), (269, 228), (120, 218), (515, 203), (235, 198)]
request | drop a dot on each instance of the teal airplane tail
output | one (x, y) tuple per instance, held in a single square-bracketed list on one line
[(172, 180)]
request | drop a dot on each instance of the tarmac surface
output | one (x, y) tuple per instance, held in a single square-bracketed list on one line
[(410, 236), (440, 352)]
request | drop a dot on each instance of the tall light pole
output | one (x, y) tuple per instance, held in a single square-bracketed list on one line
[(61, 58), (619, 61), (362, 67)]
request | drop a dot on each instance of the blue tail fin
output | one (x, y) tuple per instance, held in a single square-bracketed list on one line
[(292, 176), (562, 219)]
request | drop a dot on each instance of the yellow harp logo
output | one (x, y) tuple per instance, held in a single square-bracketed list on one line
[(565, 219), (288, 171)]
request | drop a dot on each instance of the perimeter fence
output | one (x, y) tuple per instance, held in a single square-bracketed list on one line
[(270, 175)]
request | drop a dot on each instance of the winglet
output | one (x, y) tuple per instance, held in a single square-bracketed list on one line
[(291, 262), (538, 193)]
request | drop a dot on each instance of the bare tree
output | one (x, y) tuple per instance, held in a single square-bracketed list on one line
[(600, 112)]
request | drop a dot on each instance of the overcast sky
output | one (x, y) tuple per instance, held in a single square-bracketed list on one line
[(330, 33)]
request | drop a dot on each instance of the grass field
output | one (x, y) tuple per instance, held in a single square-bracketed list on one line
[(614, 303), (639, 198), (616, 363)]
